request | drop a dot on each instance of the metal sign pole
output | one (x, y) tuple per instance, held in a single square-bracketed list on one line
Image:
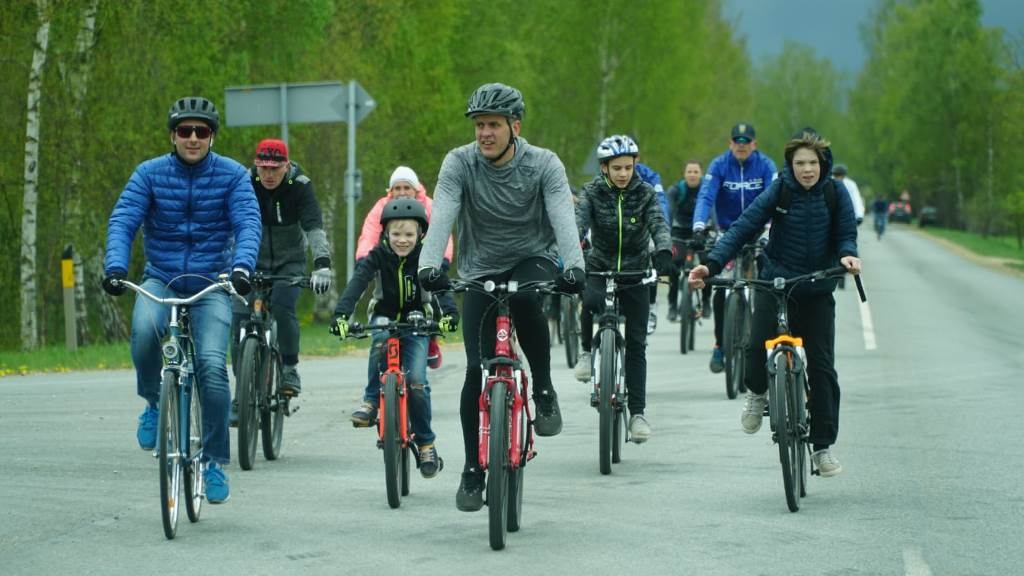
[(350, 183)]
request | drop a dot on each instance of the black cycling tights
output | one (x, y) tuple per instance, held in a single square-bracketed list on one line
[(478, 317)]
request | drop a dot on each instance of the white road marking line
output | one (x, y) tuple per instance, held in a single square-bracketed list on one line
[(914, 564), (868, 326)]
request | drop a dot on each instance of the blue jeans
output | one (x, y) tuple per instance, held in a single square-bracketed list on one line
[(210, 325), (414, 362)]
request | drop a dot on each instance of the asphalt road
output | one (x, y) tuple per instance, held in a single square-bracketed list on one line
[(931, 372)]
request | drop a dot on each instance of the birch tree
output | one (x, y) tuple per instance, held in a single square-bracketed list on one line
[(29, 315)]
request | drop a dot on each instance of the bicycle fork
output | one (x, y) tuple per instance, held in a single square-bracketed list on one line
[(796, 360)]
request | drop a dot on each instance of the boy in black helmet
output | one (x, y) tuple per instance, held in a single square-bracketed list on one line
[(393, 264)]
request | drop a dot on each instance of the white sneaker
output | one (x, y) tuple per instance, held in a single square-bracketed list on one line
[(827, 464), (639, 429), (652, 322), (753, 412), (583, 367)]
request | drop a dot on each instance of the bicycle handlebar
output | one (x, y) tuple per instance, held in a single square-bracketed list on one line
[(781, 284), (419, 326), (498, 289), (223, 284), (649, 276), (261, 280)]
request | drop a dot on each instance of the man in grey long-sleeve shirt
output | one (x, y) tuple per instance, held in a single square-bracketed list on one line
[(513, 206)]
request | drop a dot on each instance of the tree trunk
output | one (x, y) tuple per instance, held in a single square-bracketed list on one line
[(114, 327), (29, 313), (79, 87)]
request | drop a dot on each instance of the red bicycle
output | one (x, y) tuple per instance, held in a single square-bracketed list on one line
[(394, 433), (506, 424)]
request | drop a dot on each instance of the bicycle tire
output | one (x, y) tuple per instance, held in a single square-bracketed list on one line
[(407, 456), (248, 379), (735, 308), (686, 321), (195, 483), (516, 477), (570, 324), (606, 401), (168, 443), (697, 306), (781, 400), (274, 405), (392, 441), (497, 466)]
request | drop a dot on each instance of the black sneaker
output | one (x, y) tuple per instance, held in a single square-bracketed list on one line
[(549, 418), (429, 462), (470, 496), (291, 384)]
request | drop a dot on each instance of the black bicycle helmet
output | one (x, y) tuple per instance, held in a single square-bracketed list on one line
[(400, 208), (496, 98), (839, 170), (193, 107)]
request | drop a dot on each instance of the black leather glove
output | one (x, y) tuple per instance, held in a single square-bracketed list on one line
[(112, 283), (572, 281), (433, 279), (663, 263), (700, 238), (240, 280)]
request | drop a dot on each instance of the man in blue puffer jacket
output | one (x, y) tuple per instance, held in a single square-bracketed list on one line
[(809, 238), (731, 183), (200, 220)]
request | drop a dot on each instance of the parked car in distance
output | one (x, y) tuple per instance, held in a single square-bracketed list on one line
[(929, 216), (900, 212)]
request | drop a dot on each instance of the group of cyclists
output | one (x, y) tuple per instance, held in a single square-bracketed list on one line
[(205, 216)]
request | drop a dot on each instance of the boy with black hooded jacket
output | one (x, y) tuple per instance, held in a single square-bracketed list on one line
[(808, 238)]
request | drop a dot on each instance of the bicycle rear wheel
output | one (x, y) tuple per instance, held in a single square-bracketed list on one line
[(787, 433), (168, 443), (735, 313), (498, 466), (686, 320), (249, 378), (570, 325), (607, 413), (392, 441), (273, 404), (193, 466)]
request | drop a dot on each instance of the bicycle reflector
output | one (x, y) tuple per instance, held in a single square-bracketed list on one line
[(171, 350)]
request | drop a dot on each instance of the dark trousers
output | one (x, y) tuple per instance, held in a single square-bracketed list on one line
[(479, 313), (634, 305), (812, 318), (679, 259), (718, 307)]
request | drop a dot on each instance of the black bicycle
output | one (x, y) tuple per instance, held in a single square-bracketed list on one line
[(788, 388), (262, 406), (610, 395), (569, 327), (689, 302), (736, 323)]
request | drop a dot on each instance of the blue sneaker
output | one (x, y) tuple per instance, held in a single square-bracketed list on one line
[(146, 434), (217, 491), (717, 360)]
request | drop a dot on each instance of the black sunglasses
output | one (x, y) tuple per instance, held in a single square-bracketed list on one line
[(201, 132)]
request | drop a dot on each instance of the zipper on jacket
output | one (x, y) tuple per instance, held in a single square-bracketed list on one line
[(618, 256), (401, 289)]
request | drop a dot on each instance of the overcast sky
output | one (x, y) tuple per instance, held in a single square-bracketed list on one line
[(832, 27)]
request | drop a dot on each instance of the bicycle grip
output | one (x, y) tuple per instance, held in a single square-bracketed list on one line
[(860, 288)]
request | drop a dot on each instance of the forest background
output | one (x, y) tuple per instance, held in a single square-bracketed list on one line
[(935, 110)]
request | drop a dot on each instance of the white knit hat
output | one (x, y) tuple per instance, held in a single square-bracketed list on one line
[(404, 174)]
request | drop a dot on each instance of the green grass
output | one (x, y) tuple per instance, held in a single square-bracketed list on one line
[(992, 247), (315, 341)]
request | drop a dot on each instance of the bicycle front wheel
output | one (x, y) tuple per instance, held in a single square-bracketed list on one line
[(168, 443), (570, 321), (516, 477), (392, 441), (273, 405), (498, 466), (606, 401), (195, 483), (735, 313), (786, 428), (249, 379)]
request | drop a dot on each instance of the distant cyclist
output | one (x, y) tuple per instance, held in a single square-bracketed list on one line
[(682, 200), (514, 206), (880, 213), (810, 238), (839, 173), (731, 183), (623, 215)]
